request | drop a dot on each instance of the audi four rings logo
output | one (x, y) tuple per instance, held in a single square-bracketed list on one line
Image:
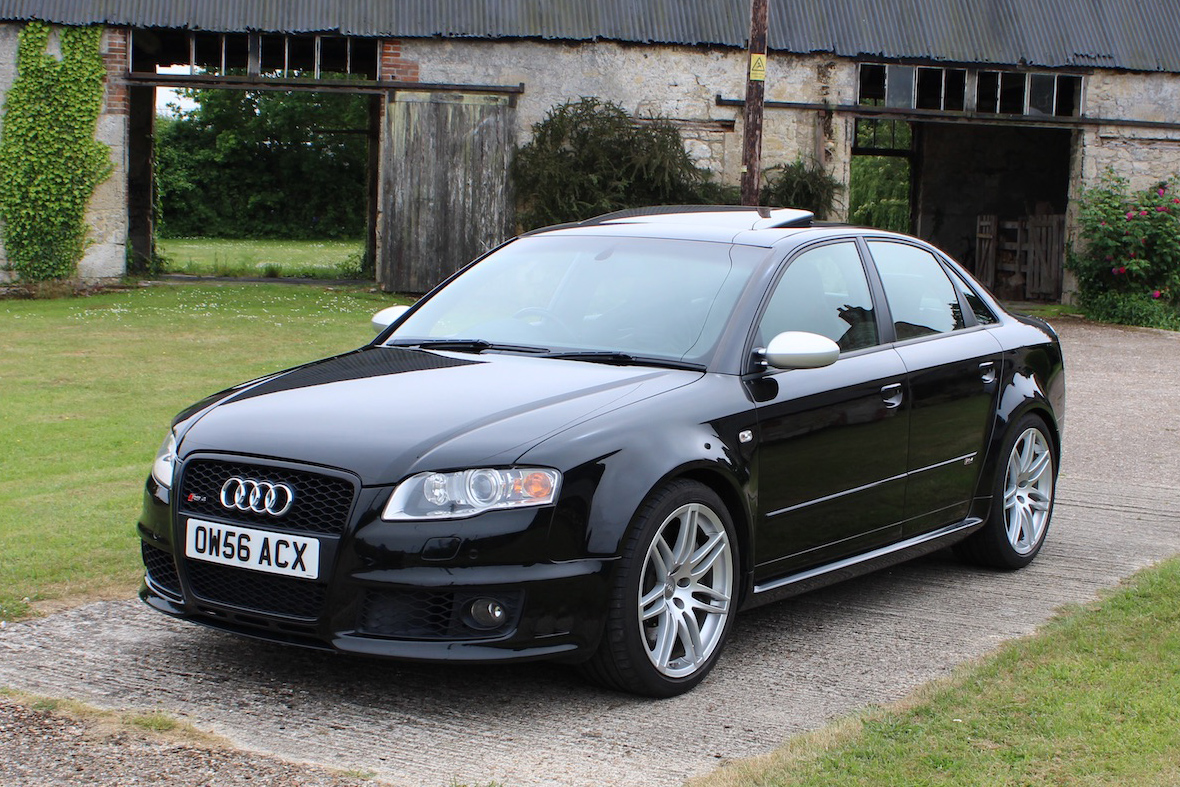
[(261, 497)]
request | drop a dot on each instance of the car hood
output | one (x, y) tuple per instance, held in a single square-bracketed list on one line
[(386, 412)]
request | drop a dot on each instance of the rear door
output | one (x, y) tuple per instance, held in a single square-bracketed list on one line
[(952, 365)]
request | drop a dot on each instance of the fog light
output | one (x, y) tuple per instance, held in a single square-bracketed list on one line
[(488, 613)]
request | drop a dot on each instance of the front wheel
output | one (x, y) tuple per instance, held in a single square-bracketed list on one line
[(1022, 501), (673, 597)]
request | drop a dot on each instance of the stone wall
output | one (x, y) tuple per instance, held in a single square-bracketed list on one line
[(1142, 155), (677, 82), (105, 257)]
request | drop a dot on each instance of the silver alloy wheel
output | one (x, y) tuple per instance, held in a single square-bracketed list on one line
[(686, 590), (1028, 491)]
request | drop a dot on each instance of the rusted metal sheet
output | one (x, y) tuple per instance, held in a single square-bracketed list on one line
[(1038, 33), (446, 198)]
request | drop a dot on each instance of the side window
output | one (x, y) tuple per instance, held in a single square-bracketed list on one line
[(983, 315), (921, 298), (824, 291)]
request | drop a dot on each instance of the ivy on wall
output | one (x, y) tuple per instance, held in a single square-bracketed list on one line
[(50, 162)]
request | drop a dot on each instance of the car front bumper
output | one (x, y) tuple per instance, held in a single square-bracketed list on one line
[(394, 589)]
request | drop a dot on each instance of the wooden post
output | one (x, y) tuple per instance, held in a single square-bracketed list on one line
[(755, 96)]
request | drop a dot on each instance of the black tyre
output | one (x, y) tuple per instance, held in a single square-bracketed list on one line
[(1022, 501), (673, 597)]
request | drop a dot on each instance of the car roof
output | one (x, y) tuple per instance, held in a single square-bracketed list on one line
[(739, 224)]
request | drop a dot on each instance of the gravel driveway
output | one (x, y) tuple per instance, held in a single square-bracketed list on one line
[(789, 667)]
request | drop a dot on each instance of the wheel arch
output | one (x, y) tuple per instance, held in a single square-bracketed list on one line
[(1031, 399), (738, 508), (606, 535)]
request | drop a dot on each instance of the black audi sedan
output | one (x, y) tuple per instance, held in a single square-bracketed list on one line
[(600, 441)]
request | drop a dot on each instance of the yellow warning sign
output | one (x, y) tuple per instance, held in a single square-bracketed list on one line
[(758, 67)]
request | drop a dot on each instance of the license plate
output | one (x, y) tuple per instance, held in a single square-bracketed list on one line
[(256, 550)]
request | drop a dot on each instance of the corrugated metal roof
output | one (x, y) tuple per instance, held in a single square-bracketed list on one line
[(1052, 33), (1044, 33)]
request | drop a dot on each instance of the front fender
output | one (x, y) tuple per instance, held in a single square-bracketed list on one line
[(608, 472)]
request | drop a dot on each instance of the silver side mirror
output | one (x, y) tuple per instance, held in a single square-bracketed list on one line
[(801, 350), (387, 317)]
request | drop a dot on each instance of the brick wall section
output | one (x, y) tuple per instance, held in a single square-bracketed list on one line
[(393, 65), (116, 56)]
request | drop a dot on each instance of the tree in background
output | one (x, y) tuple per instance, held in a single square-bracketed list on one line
[(879, 186), (590, 157), (264, 164), (879, 194)]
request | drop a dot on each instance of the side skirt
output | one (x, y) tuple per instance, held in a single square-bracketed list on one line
[(858, 565)]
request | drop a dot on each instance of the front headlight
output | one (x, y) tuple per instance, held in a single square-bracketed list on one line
[(469, 492), (165, 462)]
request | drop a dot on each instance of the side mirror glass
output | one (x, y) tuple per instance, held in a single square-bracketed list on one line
[(387, 317), (801, 350)]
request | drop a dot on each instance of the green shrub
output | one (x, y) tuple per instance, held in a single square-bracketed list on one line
[(802, 184), (589, 157), (1128, 265), (1127, 308)]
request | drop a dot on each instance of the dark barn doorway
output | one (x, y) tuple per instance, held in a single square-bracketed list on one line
[(994, 197)]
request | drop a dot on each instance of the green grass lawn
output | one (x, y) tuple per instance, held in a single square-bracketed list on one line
[(310, 259), (88, 388), (1093, 699)]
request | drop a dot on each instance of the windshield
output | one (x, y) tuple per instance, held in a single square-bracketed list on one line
[(642, 297)]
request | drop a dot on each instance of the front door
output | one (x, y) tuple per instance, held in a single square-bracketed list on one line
[(834, 440)]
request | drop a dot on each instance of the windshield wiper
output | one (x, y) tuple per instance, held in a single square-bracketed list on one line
[(465, 345), (616, 358)]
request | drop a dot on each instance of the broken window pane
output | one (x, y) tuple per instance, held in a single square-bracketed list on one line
[(1069, 96), (1012, 94), (987, 92), (872, 84), (929, 88)]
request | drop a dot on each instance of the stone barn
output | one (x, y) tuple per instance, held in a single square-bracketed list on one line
[(1004, 109)]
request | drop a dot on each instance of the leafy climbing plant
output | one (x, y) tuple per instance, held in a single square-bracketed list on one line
[(50, 162)]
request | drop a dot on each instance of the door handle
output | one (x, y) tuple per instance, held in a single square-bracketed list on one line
[(987, 372), (892, 396)]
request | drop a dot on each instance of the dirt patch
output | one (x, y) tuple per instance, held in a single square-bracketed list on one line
[(45, 745)]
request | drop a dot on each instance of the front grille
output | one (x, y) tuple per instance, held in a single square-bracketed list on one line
[(322, 502), (161, 569), (430, 614), (297, 598)]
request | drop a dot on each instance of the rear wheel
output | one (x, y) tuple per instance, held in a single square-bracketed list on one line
[(1022, 502), (673, 597)]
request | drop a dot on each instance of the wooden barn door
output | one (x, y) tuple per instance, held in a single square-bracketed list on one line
[(446, 196)]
